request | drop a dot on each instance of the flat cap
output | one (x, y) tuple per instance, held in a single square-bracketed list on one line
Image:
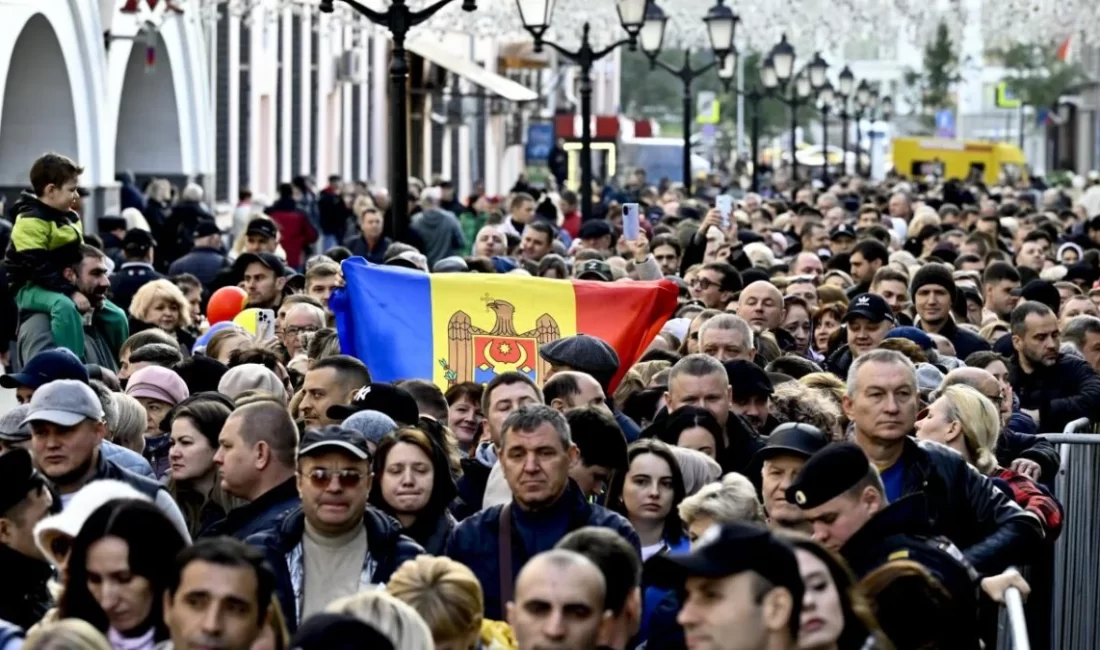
[(584, 353)]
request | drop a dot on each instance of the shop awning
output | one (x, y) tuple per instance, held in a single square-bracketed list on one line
[(472, 72)]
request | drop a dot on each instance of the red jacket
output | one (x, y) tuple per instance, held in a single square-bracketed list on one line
[(295, 230)]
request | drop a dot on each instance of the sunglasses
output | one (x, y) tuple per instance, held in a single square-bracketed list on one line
[(321, 478)]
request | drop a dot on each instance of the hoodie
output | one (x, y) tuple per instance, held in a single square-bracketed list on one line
[(441, 233)]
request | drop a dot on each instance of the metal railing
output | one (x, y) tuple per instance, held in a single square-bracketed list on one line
[(1014, 606), (1075, 600)]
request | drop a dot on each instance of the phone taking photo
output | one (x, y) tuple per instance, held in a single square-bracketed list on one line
[(631, 221), (724, 203)]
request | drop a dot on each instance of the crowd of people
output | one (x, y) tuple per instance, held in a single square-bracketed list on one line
[(830, 446)]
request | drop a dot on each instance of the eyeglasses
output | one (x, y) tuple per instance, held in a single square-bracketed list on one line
[(321, 478), (702, 283), (295, 330), (997, 399)]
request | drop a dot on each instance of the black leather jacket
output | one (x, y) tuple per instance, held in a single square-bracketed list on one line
[(968, 509)]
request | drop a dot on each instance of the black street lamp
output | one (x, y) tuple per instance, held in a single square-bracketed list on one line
[(863, 105), (825, 97), (776, 75), (398, 18), (536, 15), (753, 96), (721, 24), (845, 85)]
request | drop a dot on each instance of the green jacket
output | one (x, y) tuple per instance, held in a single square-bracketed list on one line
[(471, 224), (44, 242)]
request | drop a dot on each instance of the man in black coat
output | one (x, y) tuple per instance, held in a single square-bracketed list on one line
[(1054, 388), (207, 258), (934, 292), (138, 247), (25, 499)]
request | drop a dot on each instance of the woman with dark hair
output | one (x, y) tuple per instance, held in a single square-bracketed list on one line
[(695, 428), (194, 481), (836, 615), (413, 484), (553, 266), (118, 569), (649, 493), (464, 415)]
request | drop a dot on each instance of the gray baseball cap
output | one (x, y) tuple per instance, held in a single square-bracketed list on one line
[(65, 402), (12, 428)]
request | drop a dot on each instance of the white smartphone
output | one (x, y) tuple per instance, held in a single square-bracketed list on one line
[(724, 203), (631, 217), (265, 324)]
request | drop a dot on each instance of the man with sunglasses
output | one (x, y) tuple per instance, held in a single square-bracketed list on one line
[(334, 545), (715, 285)]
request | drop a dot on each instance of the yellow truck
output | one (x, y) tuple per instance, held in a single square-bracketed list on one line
[(992, 163)]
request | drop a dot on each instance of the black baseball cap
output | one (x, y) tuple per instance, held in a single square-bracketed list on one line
[(871, 306), (334, 438), (729, 549), (747, 379), (138, 239), (47, 366), (394, 401), (594, 229), (595, 270), (17, 477), (793, 439), (205, 228), (263, 227), (829, 473), (269, 260), (1040, 291), (841, 231)]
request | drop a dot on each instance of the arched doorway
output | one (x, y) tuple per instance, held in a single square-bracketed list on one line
[(38, 109), (148, 141)]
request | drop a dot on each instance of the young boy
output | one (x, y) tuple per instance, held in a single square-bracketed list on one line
[(45, 241)]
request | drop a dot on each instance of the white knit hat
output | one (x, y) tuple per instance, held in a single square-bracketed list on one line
[(70, 520)]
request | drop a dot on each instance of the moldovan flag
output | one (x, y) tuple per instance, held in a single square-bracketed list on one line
[(460, 327)]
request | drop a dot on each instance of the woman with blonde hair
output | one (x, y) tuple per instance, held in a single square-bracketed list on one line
[(66, 634), (993, 331), (161, 304), (732, 499), (969, 422), (129, 431), (796, 402), (397, 621), (225, 341), (448, 596)]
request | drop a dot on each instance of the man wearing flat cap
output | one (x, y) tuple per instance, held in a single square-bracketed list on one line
[(742, 589), (25, 499), (594, 356), (787, 449), (137, 269), (843, 498)]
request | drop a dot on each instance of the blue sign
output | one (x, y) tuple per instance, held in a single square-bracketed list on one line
[(945, 123), (540, 142)]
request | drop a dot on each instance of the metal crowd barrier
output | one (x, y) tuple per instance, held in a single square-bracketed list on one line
[(1075, 602), (1014, 606)]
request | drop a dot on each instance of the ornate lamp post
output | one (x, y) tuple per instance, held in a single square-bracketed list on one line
[(776, 76), (536, 16), (398, 18), (721, 24)]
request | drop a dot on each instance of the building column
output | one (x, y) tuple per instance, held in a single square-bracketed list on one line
[(285, 172), (379, 96)]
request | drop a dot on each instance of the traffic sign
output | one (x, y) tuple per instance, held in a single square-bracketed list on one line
[(1006, 98), (707, 108)]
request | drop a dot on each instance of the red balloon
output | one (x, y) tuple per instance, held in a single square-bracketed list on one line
[(225, 304)]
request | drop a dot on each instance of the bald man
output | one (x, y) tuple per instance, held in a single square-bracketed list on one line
[(1025, 454), (761, 306), (559, 603)]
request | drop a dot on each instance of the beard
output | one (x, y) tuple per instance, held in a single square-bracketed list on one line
[(94, 293)]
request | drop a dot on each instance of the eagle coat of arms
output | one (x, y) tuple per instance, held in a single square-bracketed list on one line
[(477, 355)]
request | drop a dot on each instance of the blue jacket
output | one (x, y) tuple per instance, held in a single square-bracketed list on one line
[(652, 595), (282, 545), (475, 542), (259, 515), (127, 459)]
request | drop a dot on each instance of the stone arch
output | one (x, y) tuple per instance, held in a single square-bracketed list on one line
[(39, 108), (148, 140)]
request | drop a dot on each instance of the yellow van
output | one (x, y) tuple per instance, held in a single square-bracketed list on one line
[(969, 160)]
